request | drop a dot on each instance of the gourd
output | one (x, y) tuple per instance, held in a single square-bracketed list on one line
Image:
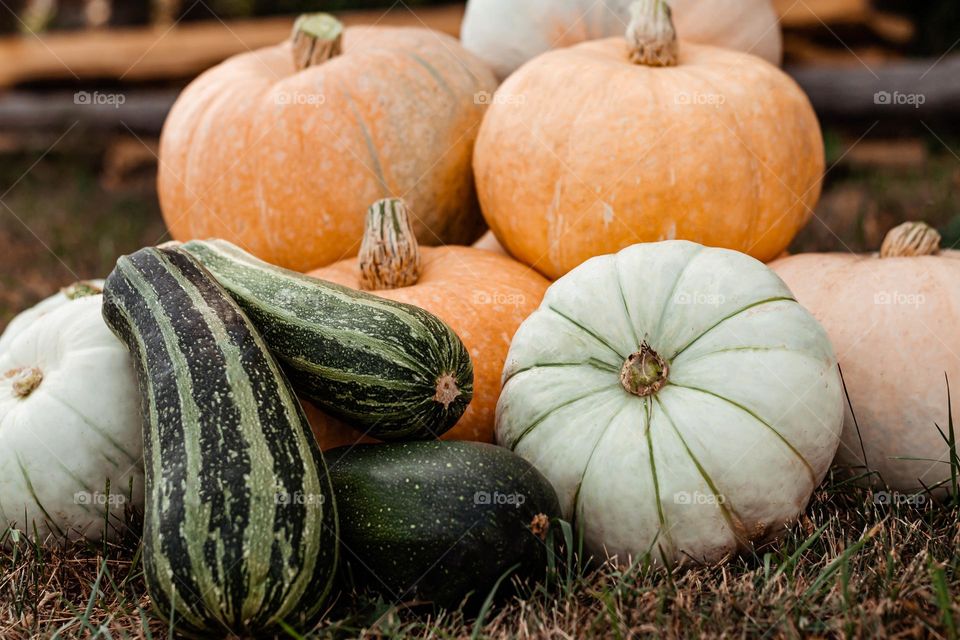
[(507, 33), (240, 524), (70, 447), (892, 317), (282, 149), (437, 521), (391, 370), (616, 142), (678, 398), (481, 296), (26, 318)]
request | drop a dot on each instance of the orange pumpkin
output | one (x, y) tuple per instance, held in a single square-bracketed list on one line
[(893, 320), (483, 296), (280, 150), (590, 149)]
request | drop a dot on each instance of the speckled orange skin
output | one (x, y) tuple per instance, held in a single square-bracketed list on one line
[(584, 153), (285, 163), (484, 297), (895, 325)]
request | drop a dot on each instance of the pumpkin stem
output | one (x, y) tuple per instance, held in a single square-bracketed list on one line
[(25, 380), (909, 240), (447, 390), (317, 37), (644, 372), (651, 35), (81, 289), (389, 253)]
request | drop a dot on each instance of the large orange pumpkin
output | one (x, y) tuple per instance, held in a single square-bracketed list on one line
[(590, 149), (483, 296), (281, 150), (894, 320)]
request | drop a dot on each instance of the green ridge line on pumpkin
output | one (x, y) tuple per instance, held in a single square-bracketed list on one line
[(623, 299), (583, 328), (648, 434), (433, 72), (591, 362), (593, 451), (668, 301), (368, 140), (763, 422), (728, 317), (549, 412), (729, 513)]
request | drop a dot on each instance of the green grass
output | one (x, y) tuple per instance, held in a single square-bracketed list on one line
[(849, 568)]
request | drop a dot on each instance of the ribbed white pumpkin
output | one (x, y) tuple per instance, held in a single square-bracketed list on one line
[(69, 422), (677, 397), (507, 33)]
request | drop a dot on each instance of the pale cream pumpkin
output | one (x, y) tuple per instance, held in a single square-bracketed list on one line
[(507, 33), (893, 319), (281, 150), (590, 149), (70, 434), (677, 397)]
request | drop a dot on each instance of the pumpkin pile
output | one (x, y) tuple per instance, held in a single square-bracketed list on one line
[(305, 395)]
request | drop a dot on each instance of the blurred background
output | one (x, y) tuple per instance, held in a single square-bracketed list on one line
[(85, 86)]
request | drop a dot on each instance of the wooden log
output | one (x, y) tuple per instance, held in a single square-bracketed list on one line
[(815, 13), (142, 110), (910, 90), (138, 54)]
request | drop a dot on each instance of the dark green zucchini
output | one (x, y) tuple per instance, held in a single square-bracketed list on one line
[(240, 524), (438, 521), (391, 370)]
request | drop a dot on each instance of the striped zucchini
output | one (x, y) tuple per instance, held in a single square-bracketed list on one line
[(240, 525), (392, 370)]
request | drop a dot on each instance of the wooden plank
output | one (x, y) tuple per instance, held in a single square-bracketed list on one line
[(815, 13), (909, 90), (179, 52)]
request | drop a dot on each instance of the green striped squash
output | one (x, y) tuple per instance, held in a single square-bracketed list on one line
[(391, 370), (240, 525)]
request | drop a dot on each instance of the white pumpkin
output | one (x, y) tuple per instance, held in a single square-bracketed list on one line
[(507, 33), (677, 397), (69, 423), (45, 306)]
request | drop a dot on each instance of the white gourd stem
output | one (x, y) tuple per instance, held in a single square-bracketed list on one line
[(651, 35), (81, 289), (911, 239), (644, 372), (389, 253), (316, 38), (26, 380)]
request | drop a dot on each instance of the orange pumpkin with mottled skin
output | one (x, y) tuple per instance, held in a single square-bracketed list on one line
[(284, 162), (585, 151)]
